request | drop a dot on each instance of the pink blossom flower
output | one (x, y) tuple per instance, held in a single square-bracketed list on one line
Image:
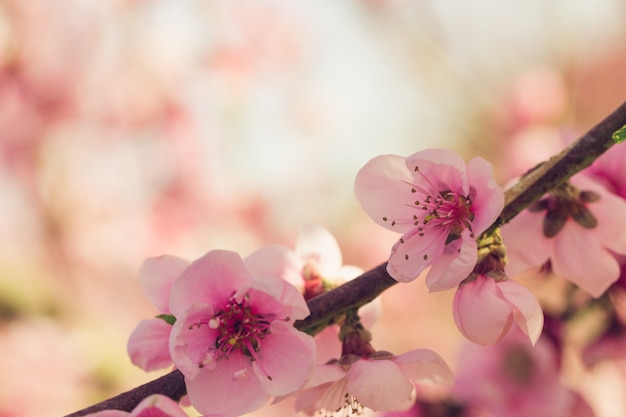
[(316, 255), (577, 229), (315, 265), (608, 169), (514, 379), (439, 204), (155, 405), (148, 345), (381, 382), (485, 309), (233, 338)]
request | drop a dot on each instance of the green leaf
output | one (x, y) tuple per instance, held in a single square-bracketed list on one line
[(620, 135), (169, 319)]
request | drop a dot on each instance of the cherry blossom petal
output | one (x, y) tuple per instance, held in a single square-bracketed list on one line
[(327, 344), (275, 297), (583, 260), (486, 195), (424, 366), (189, 343), (276, 261), (325, 389), (329, 397), (407, 261), (156, 277), (443, 169), (454, 265), (157, 405), (318, 244), (323, 374), (379, 385), (211, 279), (148, 345), (528, 313), (231, 388), (480, 313), (526, 246), (383, 190), (609, 211), (287, 356)]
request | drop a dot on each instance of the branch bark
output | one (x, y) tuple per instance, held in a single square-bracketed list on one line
[(363, 289)]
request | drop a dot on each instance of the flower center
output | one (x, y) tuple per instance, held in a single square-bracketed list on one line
[(564, 202), (239, 329), (444, 210)]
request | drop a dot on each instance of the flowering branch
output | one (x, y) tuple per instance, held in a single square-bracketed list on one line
[(326, 307), (561, 167)]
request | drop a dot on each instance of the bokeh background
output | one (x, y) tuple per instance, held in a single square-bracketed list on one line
[(133, 128)]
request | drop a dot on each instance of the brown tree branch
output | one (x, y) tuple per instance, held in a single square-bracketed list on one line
[(363, 289)]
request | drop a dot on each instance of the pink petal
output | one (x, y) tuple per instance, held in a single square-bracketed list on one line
[(345, 274), (327, 344), (276, 261), (486, 195), (609, 211), (424, 366), (148, 345), (329, 396), (479, 313), (156, 277), (275, 297), (383, 189), (231, 388), (528, 313), (370, 312), (211, 279), (454, 265), (323, 374), (157, 405), (379, 385), (287, 356), (189, 344), (526, 246), (318, 244), (443, 169), (407, 261), (580, 258)]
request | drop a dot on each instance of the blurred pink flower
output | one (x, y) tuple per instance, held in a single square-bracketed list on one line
[(148, 345), (608, 169), (514, 379), (232, 338), (315, 265), (485, 308), (438, 203), (155, 405), (577, 229), (381, 382)]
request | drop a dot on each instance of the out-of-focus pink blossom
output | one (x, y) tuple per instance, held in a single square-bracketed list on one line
[(381, 382), (438, 203), (608, 169), (514, 379), (155, 405), (148, 345), (577, 229), (315, 265), (234, 338), (485, 308)]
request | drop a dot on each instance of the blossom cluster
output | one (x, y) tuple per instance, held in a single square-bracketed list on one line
[(229, 324)]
